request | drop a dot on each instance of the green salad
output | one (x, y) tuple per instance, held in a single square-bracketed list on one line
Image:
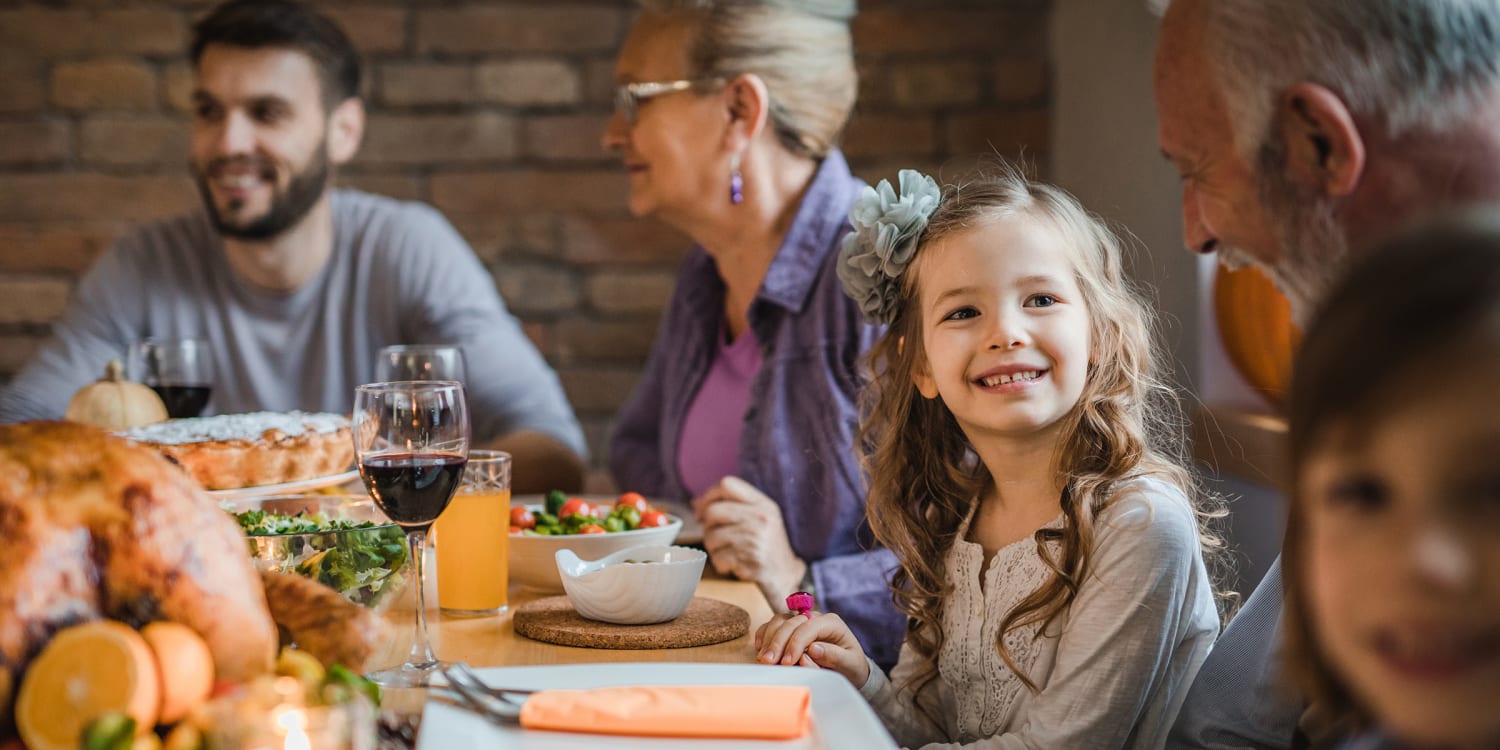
[(362, 560)]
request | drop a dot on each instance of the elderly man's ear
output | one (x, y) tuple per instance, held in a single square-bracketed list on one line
[(346, 127), (1325, 150)]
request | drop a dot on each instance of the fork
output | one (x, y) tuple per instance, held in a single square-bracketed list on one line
[(474, 682), (494, 704)]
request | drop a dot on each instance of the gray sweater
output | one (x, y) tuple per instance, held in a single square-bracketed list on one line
[(399, 274), (1112, 670)]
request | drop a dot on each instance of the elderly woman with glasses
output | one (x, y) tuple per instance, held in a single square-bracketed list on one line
[(726, 117)]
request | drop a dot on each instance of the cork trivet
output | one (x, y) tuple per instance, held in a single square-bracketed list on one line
[(703, 623)]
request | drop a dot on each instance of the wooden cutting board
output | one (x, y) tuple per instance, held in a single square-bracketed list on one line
[(704, 622)]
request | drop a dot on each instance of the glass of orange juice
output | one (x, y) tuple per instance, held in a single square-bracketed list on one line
[(473, 535)]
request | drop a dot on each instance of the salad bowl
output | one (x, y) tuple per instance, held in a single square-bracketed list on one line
[(533, 561), (342, 541)]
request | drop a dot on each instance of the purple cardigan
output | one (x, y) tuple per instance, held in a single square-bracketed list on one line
[(797, 443)]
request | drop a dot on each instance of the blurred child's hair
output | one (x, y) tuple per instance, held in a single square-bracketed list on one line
[(924, 476), (1429, 298)]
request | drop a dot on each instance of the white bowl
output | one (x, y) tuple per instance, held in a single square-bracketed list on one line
[(635, 586), (532, 558)]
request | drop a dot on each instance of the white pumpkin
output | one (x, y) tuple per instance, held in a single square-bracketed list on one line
[(115, 403)]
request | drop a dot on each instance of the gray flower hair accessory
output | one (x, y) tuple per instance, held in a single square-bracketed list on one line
[(884, 240)]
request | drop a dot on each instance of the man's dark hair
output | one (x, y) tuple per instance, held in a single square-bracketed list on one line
[(284, 23)]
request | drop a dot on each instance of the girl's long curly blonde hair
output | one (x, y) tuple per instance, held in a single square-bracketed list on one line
[(924, 476)]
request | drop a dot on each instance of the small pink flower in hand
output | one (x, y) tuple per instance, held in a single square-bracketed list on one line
[(800, 603)]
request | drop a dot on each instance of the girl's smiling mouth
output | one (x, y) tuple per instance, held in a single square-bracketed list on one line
[(1435, 652), (1010, 377)]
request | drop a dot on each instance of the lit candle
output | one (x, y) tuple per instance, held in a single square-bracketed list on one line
[(294, 725), (275, 716)]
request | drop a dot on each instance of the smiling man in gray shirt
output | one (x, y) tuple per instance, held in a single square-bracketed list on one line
[(294, 286)]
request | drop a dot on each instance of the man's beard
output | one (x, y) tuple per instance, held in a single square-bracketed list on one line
[(288, 205), (1314, 249)]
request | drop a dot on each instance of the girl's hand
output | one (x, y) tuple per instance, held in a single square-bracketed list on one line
[(821, 640), (745, 536)]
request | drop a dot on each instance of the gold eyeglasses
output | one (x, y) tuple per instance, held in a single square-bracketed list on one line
[(628, 97)]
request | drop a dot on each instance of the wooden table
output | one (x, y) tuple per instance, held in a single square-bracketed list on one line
[(492, 641)]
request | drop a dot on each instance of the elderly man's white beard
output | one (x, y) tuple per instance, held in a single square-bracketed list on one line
[(1314, 249)]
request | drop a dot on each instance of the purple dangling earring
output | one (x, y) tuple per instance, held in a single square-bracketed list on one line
[(736, 182)]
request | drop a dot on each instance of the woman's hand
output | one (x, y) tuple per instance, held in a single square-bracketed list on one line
[(745, 536), (821, 640)]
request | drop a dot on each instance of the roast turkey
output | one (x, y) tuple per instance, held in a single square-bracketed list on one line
[(92, 525)]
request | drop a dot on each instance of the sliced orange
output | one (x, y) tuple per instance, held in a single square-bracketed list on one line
[(186, 667), (85, 671)]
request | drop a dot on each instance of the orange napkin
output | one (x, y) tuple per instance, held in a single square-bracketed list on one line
[(770, 712)]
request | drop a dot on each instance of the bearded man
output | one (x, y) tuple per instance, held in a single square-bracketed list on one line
[(1304, 131), (294, 286)]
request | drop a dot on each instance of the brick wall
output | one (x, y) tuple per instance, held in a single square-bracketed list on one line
[(490, 111)]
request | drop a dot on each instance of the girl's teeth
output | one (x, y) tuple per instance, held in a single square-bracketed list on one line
[(990, 382)]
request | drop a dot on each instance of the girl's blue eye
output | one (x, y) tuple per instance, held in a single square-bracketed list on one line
[(962, 313), (1041, 300)]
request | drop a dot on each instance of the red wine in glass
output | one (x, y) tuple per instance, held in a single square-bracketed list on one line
[(412, 441), (413, 489), (183, 400)]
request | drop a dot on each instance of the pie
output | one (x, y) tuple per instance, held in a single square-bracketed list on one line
[(231, 451)]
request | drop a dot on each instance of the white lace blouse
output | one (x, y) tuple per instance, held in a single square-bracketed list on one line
[(1111, 671)]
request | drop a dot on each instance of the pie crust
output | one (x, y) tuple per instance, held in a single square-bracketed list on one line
[(233, 451)]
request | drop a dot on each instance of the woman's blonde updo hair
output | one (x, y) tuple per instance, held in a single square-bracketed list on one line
[(801, 48)]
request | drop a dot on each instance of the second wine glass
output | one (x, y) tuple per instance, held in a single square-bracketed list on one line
[(411, 439), (179, 370), (420, 362)]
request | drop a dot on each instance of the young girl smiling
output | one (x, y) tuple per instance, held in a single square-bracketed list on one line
[(1024, 469), (1393, 546)]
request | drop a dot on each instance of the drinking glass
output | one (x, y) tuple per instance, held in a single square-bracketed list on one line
[(473, 535), (179, 370), (412, 441), (420, 362), (263, 716)]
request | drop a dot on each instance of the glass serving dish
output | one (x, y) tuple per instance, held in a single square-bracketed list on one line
[(308, 535)]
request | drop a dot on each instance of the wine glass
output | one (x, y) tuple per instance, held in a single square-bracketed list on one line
[(420, 362), (179, 370), (412, 441)]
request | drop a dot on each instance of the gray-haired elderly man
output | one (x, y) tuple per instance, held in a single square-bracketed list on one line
[(1304, 130)]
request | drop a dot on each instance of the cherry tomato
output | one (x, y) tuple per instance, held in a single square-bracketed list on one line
[(633, 500), (522, 517), (654, 518), (592, 528), (515, 530), (576, 506)]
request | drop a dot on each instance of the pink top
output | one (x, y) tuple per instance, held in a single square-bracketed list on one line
[(710, 445)]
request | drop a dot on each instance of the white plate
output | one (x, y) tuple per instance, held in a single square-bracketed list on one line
[(841, 718), (691, 532), (287, 488)]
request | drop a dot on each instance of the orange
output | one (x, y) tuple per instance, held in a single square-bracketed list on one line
[(85, 671), (184, 736), (186, 667)]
